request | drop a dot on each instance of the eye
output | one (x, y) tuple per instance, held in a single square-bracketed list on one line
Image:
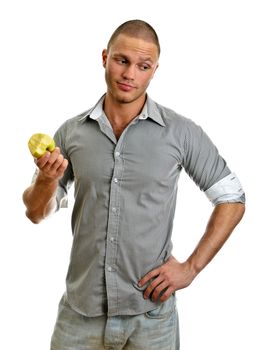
[(144, 67), (121, 61)]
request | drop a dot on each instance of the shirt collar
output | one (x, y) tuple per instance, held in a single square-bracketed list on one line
[(150, 110), (95, 112)]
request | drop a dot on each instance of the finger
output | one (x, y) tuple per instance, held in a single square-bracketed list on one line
[(166, 295), (56, 170), (148, 277), (47, 159), (152, 286), (54, 156), (40, 162), (62, 168), (56, 163), (158, 290)]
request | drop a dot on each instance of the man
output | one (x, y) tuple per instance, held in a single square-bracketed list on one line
[(125, 156)]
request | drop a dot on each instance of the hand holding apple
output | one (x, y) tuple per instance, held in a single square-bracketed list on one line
[(39, 144), (48, 157)]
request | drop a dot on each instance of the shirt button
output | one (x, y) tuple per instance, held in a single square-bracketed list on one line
[(112, 239), (109, 268), (114, 210), (116, 180), (117, 154)]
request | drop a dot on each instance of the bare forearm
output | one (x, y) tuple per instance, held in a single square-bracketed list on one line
[(39, 198), (222, 222)]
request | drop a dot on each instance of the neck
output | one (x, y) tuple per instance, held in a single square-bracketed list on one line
[(124, 112), (121, 114)]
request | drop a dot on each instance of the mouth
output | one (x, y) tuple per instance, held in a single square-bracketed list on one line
[(125, 86)]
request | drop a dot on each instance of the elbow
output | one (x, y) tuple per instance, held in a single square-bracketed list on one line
[(35, 219), (242, 209), (36, 215), (235, 210)]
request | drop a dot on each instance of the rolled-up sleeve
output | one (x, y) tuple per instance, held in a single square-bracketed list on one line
[(228, 189), (208, 168)]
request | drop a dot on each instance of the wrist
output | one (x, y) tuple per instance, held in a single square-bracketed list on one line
[(192, 268), (46, 180)]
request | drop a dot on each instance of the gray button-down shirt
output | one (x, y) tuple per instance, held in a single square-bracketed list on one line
[(125, 196)]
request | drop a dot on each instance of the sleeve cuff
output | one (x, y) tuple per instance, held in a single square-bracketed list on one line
[(227, 190)]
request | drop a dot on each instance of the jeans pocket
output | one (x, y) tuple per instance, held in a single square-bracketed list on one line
[(164, 310)]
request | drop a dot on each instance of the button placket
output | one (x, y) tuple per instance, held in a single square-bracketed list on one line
[(112, 232)]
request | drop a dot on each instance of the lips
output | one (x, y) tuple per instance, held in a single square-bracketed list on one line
[(125, 86)]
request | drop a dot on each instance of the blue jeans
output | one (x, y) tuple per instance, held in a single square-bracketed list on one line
[(154, 330)]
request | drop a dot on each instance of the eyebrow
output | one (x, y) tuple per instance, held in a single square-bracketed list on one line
[(142, 59)]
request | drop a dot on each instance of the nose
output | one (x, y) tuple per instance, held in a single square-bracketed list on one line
[(129, 72)]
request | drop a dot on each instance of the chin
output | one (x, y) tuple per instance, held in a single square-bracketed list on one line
[(127, 98), (123, 98)]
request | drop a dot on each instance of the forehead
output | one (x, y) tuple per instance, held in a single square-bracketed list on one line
[(128, 45)]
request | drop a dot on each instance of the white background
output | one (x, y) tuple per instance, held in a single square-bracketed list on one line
[(50, 71)]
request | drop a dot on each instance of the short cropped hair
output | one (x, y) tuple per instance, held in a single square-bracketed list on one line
[(137, 29)]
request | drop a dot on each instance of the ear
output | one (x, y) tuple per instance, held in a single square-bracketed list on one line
[(155, 69), (104, 57)]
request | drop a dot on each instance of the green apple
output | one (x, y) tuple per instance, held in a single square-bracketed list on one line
[(39, 144)]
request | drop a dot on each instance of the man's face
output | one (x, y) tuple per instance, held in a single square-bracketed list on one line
[(129, 66)]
